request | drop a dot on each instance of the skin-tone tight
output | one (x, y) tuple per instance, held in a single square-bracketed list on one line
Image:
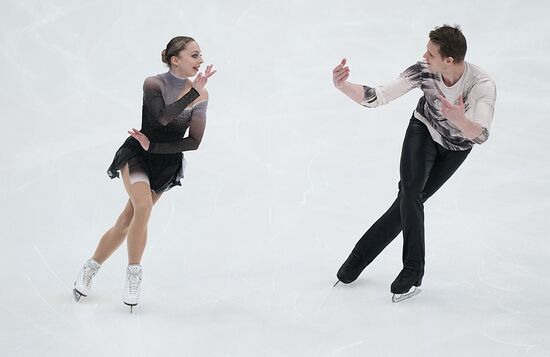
[(131, 224)]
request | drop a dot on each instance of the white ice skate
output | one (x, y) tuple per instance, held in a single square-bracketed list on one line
[(409, 294), (83, 282), (130, 295)]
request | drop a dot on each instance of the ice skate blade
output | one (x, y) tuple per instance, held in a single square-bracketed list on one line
[(77, 295), (131, 305), (400, 297)]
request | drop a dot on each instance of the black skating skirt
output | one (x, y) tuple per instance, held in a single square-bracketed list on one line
[(164, 170)]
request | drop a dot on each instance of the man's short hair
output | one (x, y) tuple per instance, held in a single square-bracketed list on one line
[(451, 41)]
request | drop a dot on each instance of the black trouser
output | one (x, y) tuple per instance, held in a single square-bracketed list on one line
[(424, 168)]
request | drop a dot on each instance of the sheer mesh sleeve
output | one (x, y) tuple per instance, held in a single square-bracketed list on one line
[(191, 142), (153, 102), (409, 79)]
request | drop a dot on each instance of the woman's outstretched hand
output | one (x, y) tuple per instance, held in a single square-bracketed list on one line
[(139, 136), (200, 80)]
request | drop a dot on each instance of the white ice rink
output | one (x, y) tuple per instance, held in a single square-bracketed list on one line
[(241, 259)]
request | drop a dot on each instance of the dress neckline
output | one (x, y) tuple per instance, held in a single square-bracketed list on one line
[(177, 77)]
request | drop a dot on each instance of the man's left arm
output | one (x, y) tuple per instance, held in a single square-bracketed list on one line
[(476, 129)]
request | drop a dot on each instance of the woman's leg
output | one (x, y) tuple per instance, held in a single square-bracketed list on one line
[(113, 238), (142, 202)]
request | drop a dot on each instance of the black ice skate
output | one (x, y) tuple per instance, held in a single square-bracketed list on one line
[(350, 270), (406, 285)]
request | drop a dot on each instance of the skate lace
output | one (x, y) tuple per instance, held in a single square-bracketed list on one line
[(88, 274), (133, 283)]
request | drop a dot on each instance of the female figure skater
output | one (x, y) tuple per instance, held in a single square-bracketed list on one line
[(151, 159)]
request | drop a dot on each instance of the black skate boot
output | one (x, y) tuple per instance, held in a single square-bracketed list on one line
[(350, 270), (406, 285)]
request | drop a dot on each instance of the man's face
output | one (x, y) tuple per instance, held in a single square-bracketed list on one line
[(434, 60)]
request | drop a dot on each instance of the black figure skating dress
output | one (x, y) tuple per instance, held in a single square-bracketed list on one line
[(164, 121)]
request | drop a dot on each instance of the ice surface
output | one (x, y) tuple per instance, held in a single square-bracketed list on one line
[(241, 260)]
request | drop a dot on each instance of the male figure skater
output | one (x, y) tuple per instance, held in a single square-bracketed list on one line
[(454, 113)]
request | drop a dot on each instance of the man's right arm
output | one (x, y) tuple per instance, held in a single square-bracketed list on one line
[(373, 97), (352, 90)]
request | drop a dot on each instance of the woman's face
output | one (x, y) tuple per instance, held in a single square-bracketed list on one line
[(188, 61)]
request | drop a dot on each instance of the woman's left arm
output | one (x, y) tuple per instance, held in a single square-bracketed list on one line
[(189, 143)]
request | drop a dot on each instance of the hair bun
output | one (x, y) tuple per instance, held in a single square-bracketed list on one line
[(174, 47)]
